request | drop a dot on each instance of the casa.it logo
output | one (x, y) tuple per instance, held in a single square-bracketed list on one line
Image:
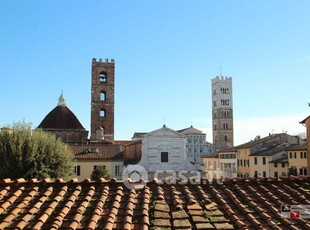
[(288, 211), (134, 177)]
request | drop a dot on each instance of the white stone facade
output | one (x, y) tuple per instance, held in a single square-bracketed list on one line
[(197, 146), (164, 150)]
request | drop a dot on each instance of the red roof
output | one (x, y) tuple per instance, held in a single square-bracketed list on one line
[(97, 151), (235, 204)]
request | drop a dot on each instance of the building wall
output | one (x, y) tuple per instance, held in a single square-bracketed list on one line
[(228, 163), (133, 152), (298, 160), (211, 165), (222, 113), (262, 167), (280, 169), (102, 98), (86, 168), (307, 121), (70, 136), (243, 162), (157, 145), (197, 147)]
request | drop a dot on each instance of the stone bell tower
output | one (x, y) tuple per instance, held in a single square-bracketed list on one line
[(102, 99), (222, 113)]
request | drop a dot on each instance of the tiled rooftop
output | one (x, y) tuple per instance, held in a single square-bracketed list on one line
[(112, 151), (234, 204)]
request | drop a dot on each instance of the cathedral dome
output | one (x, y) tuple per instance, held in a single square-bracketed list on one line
[(61, 117)]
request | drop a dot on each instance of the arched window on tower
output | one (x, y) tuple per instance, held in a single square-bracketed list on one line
[(102, 113), (102, 77), (102, 96), (225, 125), (225, 137)]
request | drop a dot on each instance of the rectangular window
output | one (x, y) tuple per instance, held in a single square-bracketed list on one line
[(276, 165), (116, 170), (264, 173), (264, 160), (255, 174), (290, 154), (164, 157), (303, 171), (95, 166), (275, 174), (303, 155), (255, 160), (283, 165), (248, 161), (77, 170)]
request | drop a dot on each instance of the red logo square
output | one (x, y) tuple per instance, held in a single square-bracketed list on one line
[(294, 214)]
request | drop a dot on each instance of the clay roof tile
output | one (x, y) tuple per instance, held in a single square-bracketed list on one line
[(107, 205)]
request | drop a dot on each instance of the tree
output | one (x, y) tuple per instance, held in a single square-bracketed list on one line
[(100, 172), (27, 153)]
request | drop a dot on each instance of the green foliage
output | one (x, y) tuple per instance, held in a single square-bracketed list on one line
[(100, 172), (5, 212), (27, 153)]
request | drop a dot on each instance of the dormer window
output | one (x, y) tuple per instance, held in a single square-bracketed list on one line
[(102, 77)]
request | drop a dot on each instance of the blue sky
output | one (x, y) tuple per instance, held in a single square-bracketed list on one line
[(166, 54)]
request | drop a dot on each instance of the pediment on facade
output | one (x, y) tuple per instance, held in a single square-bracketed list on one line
[(164, 132), (190, 130)]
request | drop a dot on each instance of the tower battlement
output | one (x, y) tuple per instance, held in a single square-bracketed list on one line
[(221, 78), (101, 61)]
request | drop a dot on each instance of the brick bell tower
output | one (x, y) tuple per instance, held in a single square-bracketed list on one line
[(102, 99)]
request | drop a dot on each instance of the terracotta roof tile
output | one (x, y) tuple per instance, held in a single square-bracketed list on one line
[(245, 204), (97, 151)]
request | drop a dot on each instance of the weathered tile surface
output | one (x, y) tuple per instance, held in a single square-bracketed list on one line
[(234, 204)]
